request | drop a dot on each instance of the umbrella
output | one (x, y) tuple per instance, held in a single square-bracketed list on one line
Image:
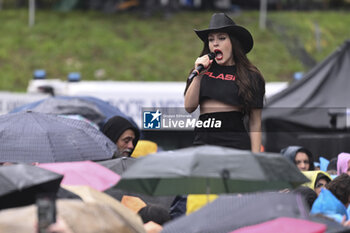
[(91, 195), (164, 201), (118, 165), (38, 137), (79, 117), (81, 217), (210, 169), (332, 226), (20, 183), (285, 225), (231, 212), (84, 173), (93, 109)]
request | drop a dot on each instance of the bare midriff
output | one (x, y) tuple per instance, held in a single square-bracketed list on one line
[(211, 105)]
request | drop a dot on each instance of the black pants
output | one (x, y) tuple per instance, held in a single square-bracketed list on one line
[(232, 132)]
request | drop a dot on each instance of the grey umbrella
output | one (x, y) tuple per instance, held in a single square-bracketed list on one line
[(210, 169), (20, 183), (118, 165), (228, 213), (39, 137)]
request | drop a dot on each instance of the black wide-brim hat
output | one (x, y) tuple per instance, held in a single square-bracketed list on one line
[(220, 22)]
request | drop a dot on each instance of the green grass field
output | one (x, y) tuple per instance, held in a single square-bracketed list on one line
[(125, 46)]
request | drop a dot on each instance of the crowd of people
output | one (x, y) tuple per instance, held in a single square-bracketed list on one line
[(328, 192)]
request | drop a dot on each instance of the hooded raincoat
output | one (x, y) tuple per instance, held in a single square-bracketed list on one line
[(330, 206), (291, 151), (314, 176), (342, 163)]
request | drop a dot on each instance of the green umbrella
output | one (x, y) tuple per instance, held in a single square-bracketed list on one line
[(210, 169)]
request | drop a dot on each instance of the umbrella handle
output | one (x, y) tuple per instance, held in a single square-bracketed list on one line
[(208, 190), (225, 174)]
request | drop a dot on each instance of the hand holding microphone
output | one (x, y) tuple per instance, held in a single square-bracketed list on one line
[(201, 67)]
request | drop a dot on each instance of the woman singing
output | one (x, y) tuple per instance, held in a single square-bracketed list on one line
[(229, 88)]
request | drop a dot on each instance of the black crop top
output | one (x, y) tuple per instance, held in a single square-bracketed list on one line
[(219, 83)]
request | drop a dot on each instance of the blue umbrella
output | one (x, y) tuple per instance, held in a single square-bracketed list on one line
[(38, 137), (94, 109)]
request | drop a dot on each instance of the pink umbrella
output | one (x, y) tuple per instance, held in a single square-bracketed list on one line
[(84, 173), (284, 225)]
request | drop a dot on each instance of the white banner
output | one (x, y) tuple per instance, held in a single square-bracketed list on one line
[(129, 97)]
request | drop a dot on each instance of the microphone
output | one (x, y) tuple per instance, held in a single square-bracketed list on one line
[(200, 67)]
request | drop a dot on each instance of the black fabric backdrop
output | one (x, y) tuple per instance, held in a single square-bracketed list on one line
[(312, 112)]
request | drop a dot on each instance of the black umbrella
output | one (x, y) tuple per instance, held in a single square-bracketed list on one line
[(20, 184), (332, 226), (228, 213), (210, 169)]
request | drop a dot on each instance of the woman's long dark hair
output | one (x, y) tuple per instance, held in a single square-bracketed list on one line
[(248, 75)]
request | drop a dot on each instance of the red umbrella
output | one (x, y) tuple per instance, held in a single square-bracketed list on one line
[(84, 173), (284, 225)]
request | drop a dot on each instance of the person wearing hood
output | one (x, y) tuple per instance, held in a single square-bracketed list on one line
[(332, 167), (300, 156), (318, 180), (343, 163), (124, 134), (307, 193), (334, 199)]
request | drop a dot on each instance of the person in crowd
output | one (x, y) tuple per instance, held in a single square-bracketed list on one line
[(317, 166), (300, 156), (343, 163), (307, 193), (230, 88), (6, 163), (178, 206), (60, 226), (334, 199), (152, 227), (332, 166), (154, 213), (318, 180), (124, 134)]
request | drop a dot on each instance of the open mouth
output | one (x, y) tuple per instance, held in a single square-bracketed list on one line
[(219, 54)]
